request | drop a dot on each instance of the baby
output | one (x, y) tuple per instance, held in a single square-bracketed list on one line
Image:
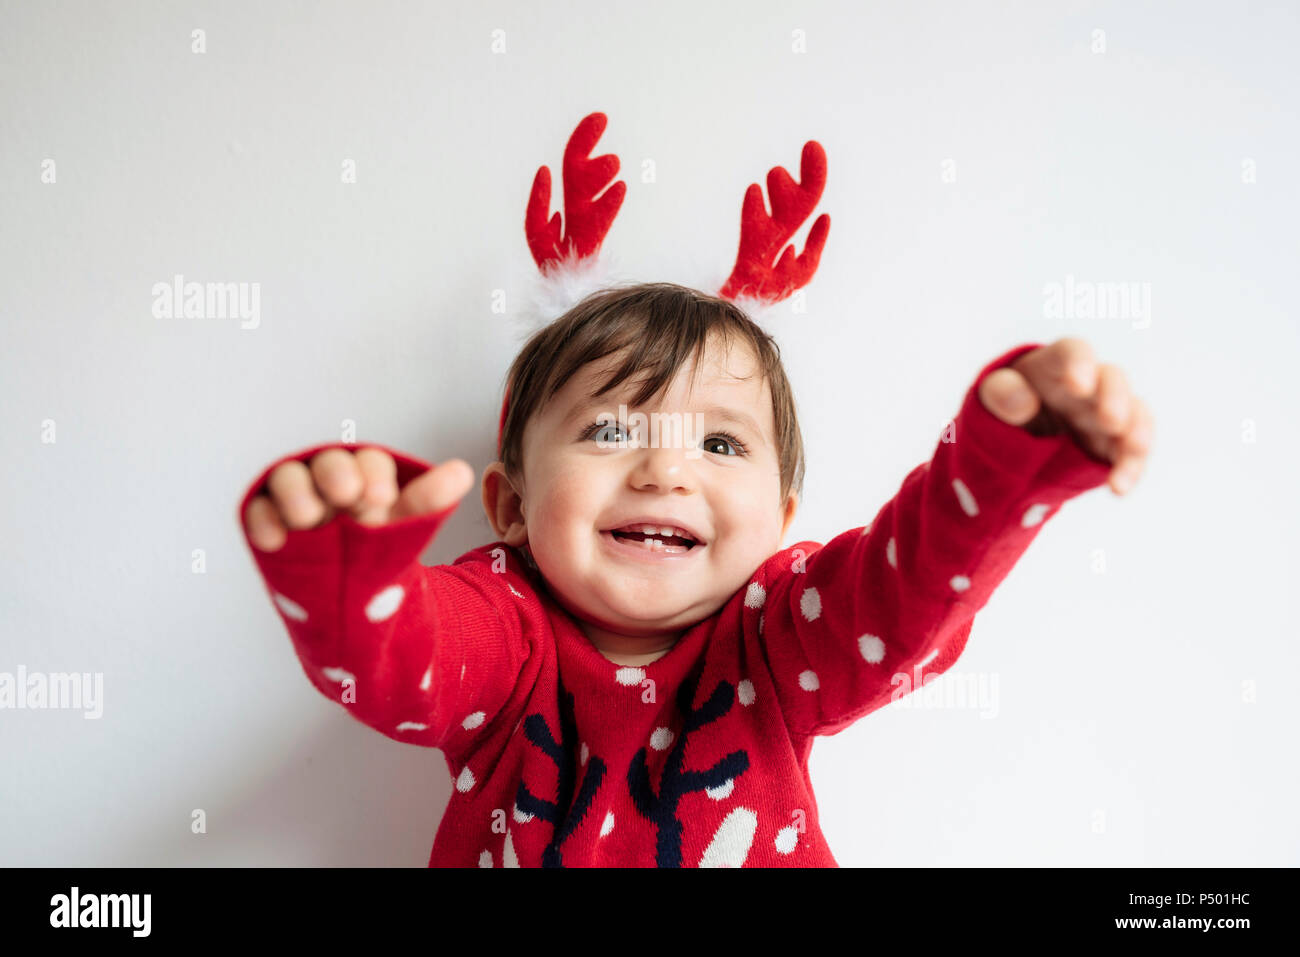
[(635, 672)]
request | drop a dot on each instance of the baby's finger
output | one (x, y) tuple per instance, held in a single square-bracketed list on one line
[(1132, 448), (1080, 367), (1063, 374), (263, 524), (1141, 431), (1125, 474), (379, 471), (295, 496), (441, 486), (338, 477), (1111, 408), (1008, 395)]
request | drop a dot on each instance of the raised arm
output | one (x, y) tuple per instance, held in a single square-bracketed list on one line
[(425, 655), (897, 597)]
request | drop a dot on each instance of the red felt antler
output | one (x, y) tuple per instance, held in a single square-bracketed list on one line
[(762, 236), (586, 219)]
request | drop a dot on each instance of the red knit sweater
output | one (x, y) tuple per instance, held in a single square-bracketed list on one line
[(560, 757)]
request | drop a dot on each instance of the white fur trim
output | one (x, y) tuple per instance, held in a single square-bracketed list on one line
[(548, 296), (766, 315)]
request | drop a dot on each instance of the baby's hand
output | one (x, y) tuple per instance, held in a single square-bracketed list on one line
[(1062, 386), (363, 484)]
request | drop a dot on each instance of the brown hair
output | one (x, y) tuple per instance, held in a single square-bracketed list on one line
[(662, 323)]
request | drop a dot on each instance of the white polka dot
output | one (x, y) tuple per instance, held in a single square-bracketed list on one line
[(731, 842), (755, 596), (872, 648), (485, 859), (891, 553), (968, 504), (810, 603), (411, 726), (520, 816), (607, 825), (338, 674), (787, 839), (290, 608), (866, 528), (427, 679), (385, 603), (959, 583), (465, 781), (629, 676), (462, 672), (745, 692), (1034, 514), (473, 721), (584, 752), (722, 790), (661, 739), (512, 589), (808, 681)]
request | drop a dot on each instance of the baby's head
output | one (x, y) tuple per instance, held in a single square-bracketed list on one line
[(573, 466)]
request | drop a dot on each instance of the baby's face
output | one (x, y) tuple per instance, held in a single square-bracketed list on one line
[(725, 492)]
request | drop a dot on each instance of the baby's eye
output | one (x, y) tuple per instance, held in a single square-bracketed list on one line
[(605, 432), (724, 439), (611, 434)]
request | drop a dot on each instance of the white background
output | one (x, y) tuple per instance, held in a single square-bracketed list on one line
[(1124, 734)]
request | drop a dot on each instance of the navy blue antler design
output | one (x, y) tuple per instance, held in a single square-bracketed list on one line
[(561, 753), (674, 783)]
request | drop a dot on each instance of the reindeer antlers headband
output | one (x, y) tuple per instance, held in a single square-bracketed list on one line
[(755, 277)]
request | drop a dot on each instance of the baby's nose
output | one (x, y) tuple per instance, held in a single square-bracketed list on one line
[(664, 469)]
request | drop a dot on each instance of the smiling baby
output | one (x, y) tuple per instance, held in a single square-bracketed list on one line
[(635, 672)]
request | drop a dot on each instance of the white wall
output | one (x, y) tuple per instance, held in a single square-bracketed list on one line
[(1121, 737)]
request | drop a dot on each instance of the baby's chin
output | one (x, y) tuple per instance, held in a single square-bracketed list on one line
[(648, 627), (645, 621), (637, 605)]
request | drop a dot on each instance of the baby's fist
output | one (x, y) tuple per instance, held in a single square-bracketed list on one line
[(362, 484), (1063, 387)]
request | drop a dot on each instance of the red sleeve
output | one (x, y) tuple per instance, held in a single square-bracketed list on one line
[(422, 654), (850, 623)]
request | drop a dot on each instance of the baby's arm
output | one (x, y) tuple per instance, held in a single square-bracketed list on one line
[(422, 654), (862, 619)]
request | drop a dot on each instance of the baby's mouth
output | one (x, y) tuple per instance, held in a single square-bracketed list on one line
[(671, 543), (652, 541)]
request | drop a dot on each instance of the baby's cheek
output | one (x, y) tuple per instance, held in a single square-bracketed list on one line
[(561, 498), (563, 517), (551, 540), (747, 544), (749, 516)]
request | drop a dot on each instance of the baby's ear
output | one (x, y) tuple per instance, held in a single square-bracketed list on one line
[(787, 515), (503, 506)]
